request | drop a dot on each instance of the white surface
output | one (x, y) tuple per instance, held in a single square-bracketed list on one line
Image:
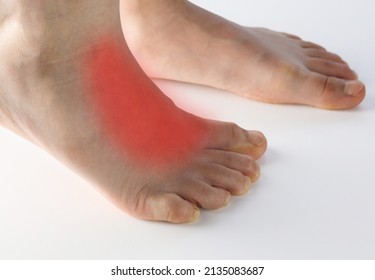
[(316, 199)]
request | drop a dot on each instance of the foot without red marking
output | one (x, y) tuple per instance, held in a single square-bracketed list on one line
[(203, 48)]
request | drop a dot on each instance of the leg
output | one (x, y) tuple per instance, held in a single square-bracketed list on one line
[(69, 84), (180, 41)]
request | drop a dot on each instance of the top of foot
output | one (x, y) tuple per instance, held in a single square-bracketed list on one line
[(69, 83), (203, 48)]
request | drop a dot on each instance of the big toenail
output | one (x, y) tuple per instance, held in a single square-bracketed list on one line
[(257, 138), (353, 88)]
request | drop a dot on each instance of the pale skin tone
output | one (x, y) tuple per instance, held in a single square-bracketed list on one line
[(45, 97), (176, 40)]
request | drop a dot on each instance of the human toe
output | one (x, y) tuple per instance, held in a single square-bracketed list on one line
[(323, 54), (231, 180), (231, 137), (169, 207), (203, 194), (338, 94), (255, 146), (331, 68), (236, 161)]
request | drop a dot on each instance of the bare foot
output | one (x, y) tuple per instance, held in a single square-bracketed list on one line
[(69, 84), (179, 41)]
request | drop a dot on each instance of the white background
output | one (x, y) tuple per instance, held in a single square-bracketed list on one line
[(315, 200)]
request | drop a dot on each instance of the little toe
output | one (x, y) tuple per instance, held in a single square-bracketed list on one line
[(204, 195), (331, 68), (170, 208)]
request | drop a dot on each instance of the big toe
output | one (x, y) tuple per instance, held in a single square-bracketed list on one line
[(338, 94), (231, 137)]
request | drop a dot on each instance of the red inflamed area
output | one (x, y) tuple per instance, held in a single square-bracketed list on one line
[(133, 114)]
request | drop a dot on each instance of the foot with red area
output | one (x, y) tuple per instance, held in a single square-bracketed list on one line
[(69, 84), (176, 40)]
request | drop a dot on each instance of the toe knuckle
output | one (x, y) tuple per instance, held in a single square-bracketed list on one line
[(224, 198), (216, 169), (255, 173), (222, 195), (165, 209), (247, 161), (236, 132), (253, 167), (218, 199), (241, 184)]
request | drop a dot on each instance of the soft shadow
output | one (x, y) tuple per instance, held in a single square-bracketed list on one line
[(268, 157), (368, 103)]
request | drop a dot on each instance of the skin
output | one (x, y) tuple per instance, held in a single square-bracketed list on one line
[(69, 84), (174, 39)]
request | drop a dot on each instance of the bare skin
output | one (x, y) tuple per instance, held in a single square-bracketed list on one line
[(174, 39), (48, 97)]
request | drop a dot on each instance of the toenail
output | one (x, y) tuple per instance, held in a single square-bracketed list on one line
[(196, 214), (248, 184), (257, 138), (254, 177), (353, 88), (227, 199)]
